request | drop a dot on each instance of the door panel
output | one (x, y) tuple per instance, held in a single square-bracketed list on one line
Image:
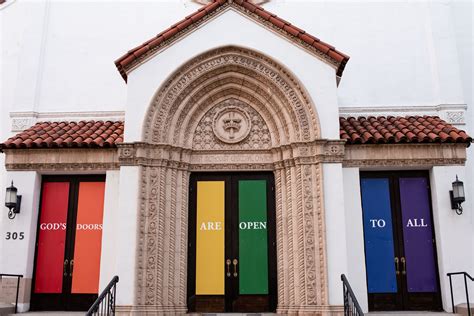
[(253, 244), (210, 238), (406, 196), (85, 268), (231, 242), (417, 236), (379, 247), (52, 238)]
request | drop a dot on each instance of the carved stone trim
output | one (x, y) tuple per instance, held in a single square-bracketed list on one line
[(143, 154), (455, 117), (61, 159), (404, 155)]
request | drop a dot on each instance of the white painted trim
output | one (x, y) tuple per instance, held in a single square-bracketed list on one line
[(44, 115), (23, 120), (452, 113)]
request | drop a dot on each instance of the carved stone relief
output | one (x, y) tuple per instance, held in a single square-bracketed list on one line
[(229, 124), (455, 117)]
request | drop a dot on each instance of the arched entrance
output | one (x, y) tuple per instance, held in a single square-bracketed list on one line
[(231, 109)]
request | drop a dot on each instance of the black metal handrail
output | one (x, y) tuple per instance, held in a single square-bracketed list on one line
[(351, 306), (18, 276), (466, 275), (105, 303)]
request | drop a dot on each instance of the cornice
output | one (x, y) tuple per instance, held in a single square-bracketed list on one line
[(404, 155), (300, 153), (61, 159)]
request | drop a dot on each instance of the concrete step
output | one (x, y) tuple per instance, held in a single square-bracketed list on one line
[(461, 309)]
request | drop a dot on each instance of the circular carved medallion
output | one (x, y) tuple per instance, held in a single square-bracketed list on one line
[(231, 125)]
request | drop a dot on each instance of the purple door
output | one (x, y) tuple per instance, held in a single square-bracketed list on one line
[(414, 250)]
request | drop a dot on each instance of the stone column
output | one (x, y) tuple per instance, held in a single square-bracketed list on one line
[(163, 223), (301, 246)]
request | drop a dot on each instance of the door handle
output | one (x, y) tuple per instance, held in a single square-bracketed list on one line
[(227, 262), (235, 262), (397, 267), (404, 265), (71, 266), (65, 267)]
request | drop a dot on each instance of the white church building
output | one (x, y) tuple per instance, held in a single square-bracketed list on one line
[(236, 155)]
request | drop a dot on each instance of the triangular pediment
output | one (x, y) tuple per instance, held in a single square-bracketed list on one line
[(255, 13)]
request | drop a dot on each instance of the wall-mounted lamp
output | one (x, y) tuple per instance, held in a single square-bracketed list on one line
[(457, 196), (12, 201)]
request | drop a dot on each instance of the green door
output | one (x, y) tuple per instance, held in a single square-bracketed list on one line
[(232, 266)]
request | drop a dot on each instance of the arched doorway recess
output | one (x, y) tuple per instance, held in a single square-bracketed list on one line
[(231, 109)]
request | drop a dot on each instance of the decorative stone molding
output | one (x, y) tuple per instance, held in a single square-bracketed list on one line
[(455, 117), (194, 87), (61, 159), (180, 137), (23, 120), (20, 124), (144, 154), (404, 155), (452, 113)]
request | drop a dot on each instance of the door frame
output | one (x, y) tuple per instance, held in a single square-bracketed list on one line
[(232, 243), (401, 298), (65, 300)]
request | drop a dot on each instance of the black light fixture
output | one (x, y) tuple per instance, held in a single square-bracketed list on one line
[(12, 201), (457, 196)]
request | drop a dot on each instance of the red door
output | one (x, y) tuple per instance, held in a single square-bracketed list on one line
[(68, 247)]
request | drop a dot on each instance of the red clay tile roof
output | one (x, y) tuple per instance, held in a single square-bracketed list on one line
[(128, 60), (68, 134), (370, 130), (392, 130)]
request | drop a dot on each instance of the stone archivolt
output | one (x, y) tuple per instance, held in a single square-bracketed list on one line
[(231, 109)]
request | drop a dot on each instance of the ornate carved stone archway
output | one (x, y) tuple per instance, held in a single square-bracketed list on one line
[(231, 109)]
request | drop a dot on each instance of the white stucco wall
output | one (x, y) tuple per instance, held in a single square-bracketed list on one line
[(453, 233), (126, 236), (110, 232), (356, 272), (336, 239), (17, 255)]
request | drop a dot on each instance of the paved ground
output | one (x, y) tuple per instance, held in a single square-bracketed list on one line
[(409, 313)]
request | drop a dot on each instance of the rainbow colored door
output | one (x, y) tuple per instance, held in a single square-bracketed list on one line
[(231, 264), (69, 243)]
